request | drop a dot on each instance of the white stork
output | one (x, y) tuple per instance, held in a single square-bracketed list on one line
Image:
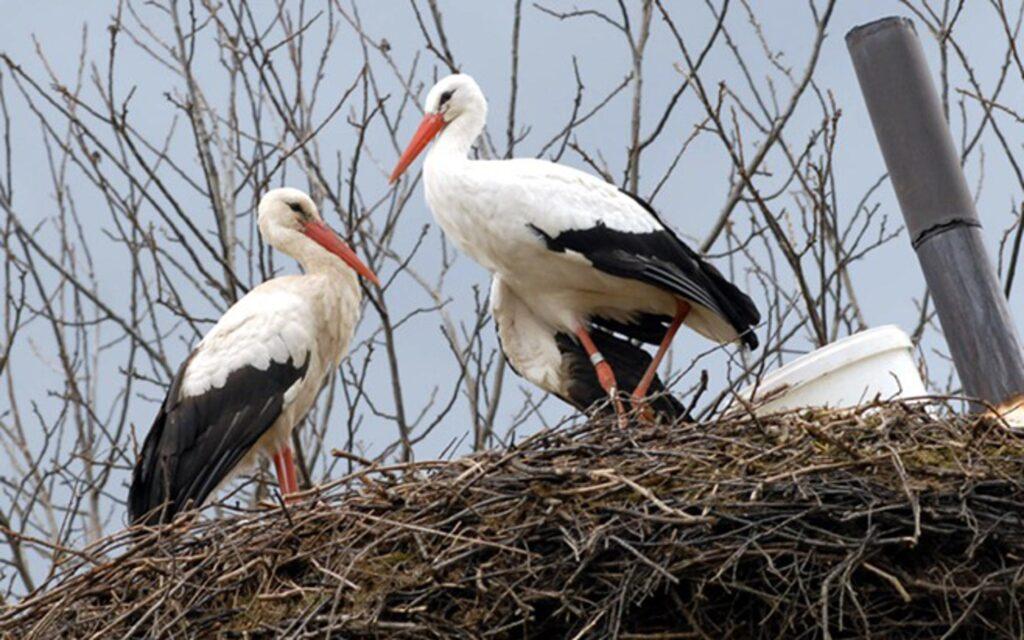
[(577, 250), (254, 376)]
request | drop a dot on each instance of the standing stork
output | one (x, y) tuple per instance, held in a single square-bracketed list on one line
[(577, 250), (253, 377)]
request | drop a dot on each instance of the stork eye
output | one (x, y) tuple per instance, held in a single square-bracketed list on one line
[(297, 208), (445, 97)]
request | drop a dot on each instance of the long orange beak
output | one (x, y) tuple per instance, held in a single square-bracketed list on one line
[(322, 235), (430, 126)]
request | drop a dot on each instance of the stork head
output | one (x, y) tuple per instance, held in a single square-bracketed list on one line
[(290, 222), (454, 102)]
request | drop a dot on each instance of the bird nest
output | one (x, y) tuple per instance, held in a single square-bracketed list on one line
[(887, 521)]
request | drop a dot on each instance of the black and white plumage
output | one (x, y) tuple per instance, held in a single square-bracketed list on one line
[(555, 361), (661, 259), (578, 250), (256, 374), (200, 438)]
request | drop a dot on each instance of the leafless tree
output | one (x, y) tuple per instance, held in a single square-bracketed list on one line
[(146, 231)]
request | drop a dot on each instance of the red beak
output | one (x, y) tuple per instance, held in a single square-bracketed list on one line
[(430, 126), (322, 235)]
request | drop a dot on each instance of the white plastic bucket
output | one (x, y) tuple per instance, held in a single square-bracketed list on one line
[(874, 363)]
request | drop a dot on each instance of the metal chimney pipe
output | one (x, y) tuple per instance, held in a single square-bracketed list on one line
[(943, 225)]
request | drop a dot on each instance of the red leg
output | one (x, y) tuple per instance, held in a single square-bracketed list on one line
[(289, 467), (285, 467), (682, 310), (282, 475), (605, 375)]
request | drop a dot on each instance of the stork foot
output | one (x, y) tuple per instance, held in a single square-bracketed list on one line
[(277, 499), (620, 410), (274, 502), (642, 408), (606, 377)]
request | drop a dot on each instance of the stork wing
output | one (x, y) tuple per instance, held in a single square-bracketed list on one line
[(581, 216), (227, 394)]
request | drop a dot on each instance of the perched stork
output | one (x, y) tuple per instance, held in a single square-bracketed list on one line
[(555, 361), (254, 376), (577, 250)]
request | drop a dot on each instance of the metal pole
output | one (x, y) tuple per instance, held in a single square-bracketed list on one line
[(944, 228)]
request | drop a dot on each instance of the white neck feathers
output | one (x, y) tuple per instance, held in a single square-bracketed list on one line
[(458, 136)]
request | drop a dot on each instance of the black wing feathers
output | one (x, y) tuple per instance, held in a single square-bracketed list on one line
[(646, 327), (195, 442), (660, 258), (628, 361)]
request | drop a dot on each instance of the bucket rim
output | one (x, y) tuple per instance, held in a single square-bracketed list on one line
[(832, 357)]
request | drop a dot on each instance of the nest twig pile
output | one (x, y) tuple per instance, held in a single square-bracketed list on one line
[(888, 522)]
